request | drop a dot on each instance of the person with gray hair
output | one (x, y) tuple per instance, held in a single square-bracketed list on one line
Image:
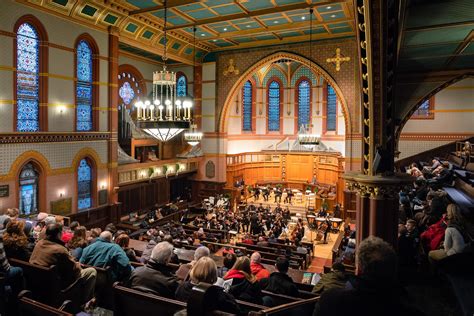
[(156, 277), (104, 253), (183, 272), (374, 291)]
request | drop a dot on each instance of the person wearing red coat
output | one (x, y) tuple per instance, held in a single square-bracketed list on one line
[(257, 268)]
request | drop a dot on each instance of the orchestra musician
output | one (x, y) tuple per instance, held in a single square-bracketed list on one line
[(266, 193), (278, 194), (289, 195), (256, 193)]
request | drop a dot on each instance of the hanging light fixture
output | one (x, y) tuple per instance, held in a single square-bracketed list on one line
[(165, 116), (193, 137), (305, 137)]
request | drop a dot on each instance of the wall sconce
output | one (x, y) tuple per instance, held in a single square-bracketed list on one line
[(61, 109), (103, 185), (158, 171), (61, 193)]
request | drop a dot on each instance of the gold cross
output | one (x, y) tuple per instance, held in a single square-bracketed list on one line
[(338, 60)]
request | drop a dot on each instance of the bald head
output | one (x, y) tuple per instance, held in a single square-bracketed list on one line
[(106, 235), (256, 257)]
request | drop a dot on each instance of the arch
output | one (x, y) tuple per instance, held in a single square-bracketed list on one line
[(95, 78), (180, 74), (93, 160), (253, 91), (297, 103), (415, 106), (223, 122), (42, 68), (41, 164), (303, 71), (280, 101), (272, 72)]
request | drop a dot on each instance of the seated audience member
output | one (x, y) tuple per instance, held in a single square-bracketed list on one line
[(146, 254), (432, 237), (103, 253), (300, 248), (68, 232), (156, 277), (51, 251), (229, 261), (244, 285), (437, 204), (174, 257), (16, 242), (13, 275), (205, 270), (374, 291), (279, 282), (247, 240), (257, 268), (183, 271), (262, 242), (94, 234), (335, 279), (123, 241), (408, 242), (78, 242), (456, 236)]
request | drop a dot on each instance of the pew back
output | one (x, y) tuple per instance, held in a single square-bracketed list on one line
[(30, 307)]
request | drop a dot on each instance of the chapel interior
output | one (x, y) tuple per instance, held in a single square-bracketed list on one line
[(236, 157)]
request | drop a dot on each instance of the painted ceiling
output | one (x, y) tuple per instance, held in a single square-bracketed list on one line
[(220, 24)]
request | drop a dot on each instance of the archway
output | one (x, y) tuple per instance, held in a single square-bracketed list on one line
[(225, 112)]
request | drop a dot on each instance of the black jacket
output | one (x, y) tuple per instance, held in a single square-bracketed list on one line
[(221, 301), (242, 289), (280, 283), (154, 278)]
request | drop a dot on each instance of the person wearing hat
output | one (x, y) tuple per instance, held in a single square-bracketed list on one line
[(335, 279)]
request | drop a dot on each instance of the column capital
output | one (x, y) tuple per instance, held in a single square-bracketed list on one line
[(113, 30), (378, 186)]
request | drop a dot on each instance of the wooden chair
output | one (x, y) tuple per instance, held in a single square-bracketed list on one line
[(29, 307)]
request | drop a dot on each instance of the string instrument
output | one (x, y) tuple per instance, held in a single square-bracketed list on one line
[(321, 231)]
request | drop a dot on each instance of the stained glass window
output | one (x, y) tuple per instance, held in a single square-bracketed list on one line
[(304, 103), (331, 109), (181, 86), (247, 106), (84, 87), (27, 79), (425, 110), (84, 185), (28, 190), (274, 106)]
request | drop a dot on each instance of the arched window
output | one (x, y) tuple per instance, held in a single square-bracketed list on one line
[(84, 185), (84, 87), (181, 86), (273, 106), (304, 99), (331, 109), (28, 190), (247, 106), (27, 78), (131, 87)]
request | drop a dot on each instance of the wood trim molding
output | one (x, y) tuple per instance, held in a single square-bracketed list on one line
[(41, 137)]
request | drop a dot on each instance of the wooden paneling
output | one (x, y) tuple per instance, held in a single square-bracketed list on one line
[(143, 195), (294, 169)]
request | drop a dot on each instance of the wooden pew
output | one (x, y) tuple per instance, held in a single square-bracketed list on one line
[(45, 284), (129, 302), (103, 286), (29, 307), (296, 308), (268, 253)]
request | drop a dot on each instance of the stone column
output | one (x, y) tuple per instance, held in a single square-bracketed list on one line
[(113, 114), (377, 204)]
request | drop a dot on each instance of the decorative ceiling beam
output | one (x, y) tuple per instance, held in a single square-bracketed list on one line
[(464, 44), (236, 16), (276, 28), (170, 4)]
